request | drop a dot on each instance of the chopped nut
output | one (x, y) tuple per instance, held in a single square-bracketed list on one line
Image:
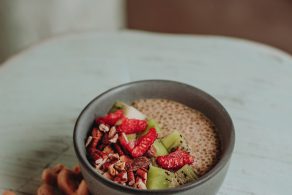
[(126, 159), (112, 132), (105, 141), (88, 141), (103, 127), (121, 178), (114, 139), (112, 171), (105, 166), (142, 173), (139, 183), (108, 149), (101, 154), (99, 162), (140, 162), (107, 175), (124, 176), (114, 156), (131, 178), (118, 149), (120, 165)]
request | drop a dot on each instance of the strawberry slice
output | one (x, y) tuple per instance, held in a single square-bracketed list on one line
[(144, 143), (130, 126), (111, 118), (175, 160)]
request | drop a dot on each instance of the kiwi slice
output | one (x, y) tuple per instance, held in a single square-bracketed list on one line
[(131, 137), (159, 178), (151, 123), (175, 140), (159, 148), (185, 175), (129, 111)]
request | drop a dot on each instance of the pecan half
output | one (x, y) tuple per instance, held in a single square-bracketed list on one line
[(140, 162), (67, 181), (45, 189), (49, 175)]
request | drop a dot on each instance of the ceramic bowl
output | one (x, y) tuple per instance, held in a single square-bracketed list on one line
[(191, 96)]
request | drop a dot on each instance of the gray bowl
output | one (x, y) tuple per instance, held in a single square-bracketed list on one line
[(195, 98)]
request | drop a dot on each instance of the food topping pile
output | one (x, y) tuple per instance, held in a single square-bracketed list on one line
[(126, 147)]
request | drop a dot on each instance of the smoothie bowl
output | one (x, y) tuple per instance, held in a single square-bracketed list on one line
[(154, 137)]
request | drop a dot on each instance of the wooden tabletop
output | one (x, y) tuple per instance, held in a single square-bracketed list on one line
[(44, 88)]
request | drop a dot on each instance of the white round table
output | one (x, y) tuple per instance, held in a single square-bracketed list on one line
[(44, 88)]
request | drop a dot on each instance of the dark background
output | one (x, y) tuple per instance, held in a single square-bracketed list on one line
[(267, 21)]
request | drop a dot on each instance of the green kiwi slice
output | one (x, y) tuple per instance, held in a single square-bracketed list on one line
[(185, 175), (131, 137), (159, 178), (175, 140), (159, 148), (151, 123)]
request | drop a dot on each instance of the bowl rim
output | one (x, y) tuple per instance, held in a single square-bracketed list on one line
[(223, 161)]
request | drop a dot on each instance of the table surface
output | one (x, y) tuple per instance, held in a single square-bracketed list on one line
[(44, 88)]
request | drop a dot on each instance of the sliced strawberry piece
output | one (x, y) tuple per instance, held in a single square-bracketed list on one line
[(111, 118), (144, 143), (175, 160), (130, 126)]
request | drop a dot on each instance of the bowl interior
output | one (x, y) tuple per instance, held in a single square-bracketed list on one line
[(179, 92)]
